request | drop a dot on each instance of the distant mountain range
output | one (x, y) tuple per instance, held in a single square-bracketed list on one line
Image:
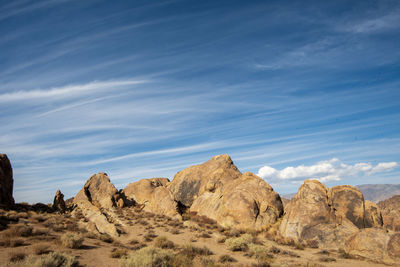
[(372, 192)]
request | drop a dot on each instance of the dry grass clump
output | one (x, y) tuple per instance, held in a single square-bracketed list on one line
[(118, 253), (39, 218), (12, 242), (259, 252), (148, 237), (312, 243), (18, 231), (239, 243), (147, 257), (226, 258), (71, 240), (175, 232), (16, 256), (163, 242), (327, 259), (192, 251), (41, 249), (54, 259)]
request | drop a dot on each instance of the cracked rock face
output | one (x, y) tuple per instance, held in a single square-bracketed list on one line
[(6, 181), (97, 200), (217, 190), (153, 195), (329, 215)]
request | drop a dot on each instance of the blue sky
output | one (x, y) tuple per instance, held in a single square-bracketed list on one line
[(138, 89)]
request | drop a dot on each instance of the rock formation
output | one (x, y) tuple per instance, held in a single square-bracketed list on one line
[(6, 181), (58, 202), (96, 200), (390, 209), (154, 196), (328, 215), (211, 176), (375, 244), (218, 190)]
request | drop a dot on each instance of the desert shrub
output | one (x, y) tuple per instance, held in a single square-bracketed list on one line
[(149, 236), (207, 262), (39, 218), (71, 240), (205, 235), (239, 243), (40, 249), (118, 253), (163, 242), (298, 246), (12, 242), (221, 239), (274, 250), (54, 259), (226, 258), (40, 231), (147, 257), (20, 230), (192, 251), (175, 232), (180, 260), (259, 252), (312, 243), (16, 256), (327, 259)]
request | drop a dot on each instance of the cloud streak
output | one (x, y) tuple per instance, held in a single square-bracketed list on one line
[(325, 171)]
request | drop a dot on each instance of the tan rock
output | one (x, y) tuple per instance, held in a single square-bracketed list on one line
[(97, 200), (394, 246), (308, 208), (348, 204), (370, 243), (390, 209), (154, 196), (58, 202), (373, 216), (245, 202), (210, 176), (6, 181)]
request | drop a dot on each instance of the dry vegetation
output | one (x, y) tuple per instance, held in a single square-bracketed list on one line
[(30, 238)]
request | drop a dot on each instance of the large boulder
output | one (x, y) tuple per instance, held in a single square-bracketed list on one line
[(58, 202), (218, 190), (390, 209), (6, 181), (97, 200), (375, 244), (210, 176), (329, 215), (347, 203), (308, 208), (245, 202), (153, 196)]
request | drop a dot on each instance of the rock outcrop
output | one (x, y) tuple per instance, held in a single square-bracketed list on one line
[(153, 196), (328, 215), (375, 244), (211, 176), (58, 202), (217, 189), (390, 209), (6, 181), (97, 200)]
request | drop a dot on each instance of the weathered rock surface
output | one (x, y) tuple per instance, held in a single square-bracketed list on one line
[(218, 190), (373, 215), (390, 209), (210, 176), (347, 203), (308, 208), (6, 181), (245, 202), (330, 215), (96, 200), (154, 196), (58, 202), (374, 243)]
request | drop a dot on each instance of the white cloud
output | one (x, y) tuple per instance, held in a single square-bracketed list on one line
[(62, 92), (330, 170)]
